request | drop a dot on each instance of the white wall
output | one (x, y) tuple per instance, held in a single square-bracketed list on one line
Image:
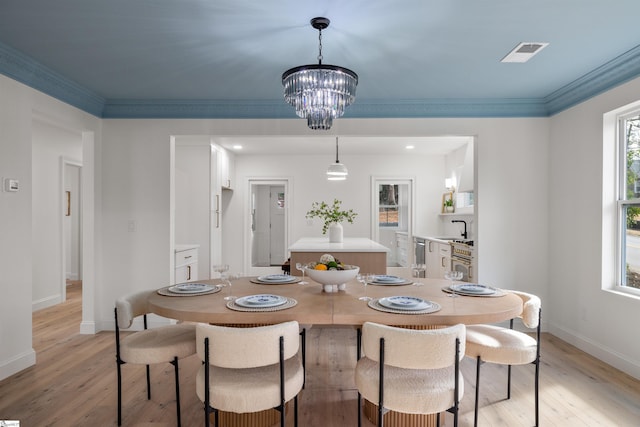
[(18, 105), (50, 142), (601, 322)]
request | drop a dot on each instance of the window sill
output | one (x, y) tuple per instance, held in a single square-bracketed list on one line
[(624, 291)]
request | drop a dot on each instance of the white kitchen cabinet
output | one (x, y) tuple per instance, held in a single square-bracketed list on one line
[(432, 259), (438, 258), (186, 263), (226, 169), (444, 252)]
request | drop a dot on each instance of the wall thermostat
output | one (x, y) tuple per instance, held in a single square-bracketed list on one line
[(11, 184)]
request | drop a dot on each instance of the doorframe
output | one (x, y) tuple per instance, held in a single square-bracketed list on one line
[(64, 162), (287, 182), (375, 219)]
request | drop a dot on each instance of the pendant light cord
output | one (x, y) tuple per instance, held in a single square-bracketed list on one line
[(337, 161)]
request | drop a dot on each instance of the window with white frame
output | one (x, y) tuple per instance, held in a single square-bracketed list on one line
[(388, 206), (629, 199)]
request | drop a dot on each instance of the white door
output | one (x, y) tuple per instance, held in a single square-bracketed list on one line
[(267, 224), (276, 229)]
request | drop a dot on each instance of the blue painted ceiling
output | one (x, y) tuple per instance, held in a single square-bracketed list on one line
[(225, 58)]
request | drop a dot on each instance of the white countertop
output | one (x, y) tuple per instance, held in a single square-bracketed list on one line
[(349, 244)]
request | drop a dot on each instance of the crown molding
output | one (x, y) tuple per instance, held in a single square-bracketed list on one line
[(195, 109), (22, 68), (614, 73), (186, 109)]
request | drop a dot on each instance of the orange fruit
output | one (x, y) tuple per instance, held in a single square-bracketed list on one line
[(321, 267)]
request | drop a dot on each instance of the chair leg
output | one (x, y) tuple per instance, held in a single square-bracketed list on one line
[(358, 355), (438, 419), (119, 392), (475, 410), (537, 386), (175, 365), (148, 384), (508, 382), (455, 418), (295, 411)]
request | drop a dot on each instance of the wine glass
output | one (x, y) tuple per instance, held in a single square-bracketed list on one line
[(300, 267), (453, 275), (220, 269), (417, 270), (229, 277), (364, 278)]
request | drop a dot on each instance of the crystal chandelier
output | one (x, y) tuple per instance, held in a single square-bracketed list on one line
[(319, 92), (337, 171)]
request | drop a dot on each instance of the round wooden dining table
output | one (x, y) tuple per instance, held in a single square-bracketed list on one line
[(316, 307)]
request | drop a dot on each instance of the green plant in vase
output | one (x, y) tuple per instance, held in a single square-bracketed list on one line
[(330, 214)]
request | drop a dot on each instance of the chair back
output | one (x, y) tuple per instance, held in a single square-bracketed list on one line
[(530, 309), (414, 349), (131, 306), (239, 348)]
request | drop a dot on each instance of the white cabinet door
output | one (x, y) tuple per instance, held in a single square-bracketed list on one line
[(226, 168), (444, 252), (432, 256), (186, 265)]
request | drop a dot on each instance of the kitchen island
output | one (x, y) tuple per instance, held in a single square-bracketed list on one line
[(370, 256)]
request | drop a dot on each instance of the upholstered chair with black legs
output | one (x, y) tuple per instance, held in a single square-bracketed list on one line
[(506, 346), (249, 369), (411, 371), (166, 344)]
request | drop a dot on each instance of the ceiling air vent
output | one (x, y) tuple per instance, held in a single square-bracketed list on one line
[(524, 52)]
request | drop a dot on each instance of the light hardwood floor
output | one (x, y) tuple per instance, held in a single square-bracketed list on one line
[(74, 384)]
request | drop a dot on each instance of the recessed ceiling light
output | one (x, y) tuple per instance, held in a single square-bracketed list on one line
[(524, 51), (237, 147), (410, 147)]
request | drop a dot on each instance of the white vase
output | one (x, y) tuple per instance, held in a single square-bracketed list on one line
[(335, 232)]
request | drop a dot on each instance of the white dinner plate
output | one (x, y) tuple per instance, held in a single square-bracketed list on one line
[(277, 278), (261, 300), (472, 289), (190, 288), (404, 303), (381, 278)]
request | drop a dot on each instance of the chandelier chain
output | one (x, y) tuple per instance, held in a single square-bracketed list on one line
[(320, 46)]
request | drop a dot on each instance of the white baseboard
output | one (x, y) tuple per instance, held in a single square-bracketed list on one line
[(17, 364), (46, 302), (607, 355), (88, 328), (71, 276)]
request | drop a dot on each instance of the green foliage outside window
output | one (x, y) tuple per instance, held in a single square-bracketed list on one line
[(633, 162)]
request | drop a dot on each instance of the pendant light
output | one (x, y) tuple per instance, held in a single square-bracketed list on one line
[(319, 92), (337, 171)]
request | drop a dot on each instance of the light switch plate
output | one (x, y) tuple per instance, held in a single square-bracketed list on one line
[(12, 185)]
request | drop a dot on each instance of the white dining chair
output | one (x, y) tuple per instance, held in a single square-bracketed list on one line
[(249, 369), (166, 344), (506, 346), (411, 371)]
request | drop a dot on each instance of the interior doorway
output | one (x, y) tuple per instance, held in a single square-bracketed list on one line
[(392, 218), (268, 225), (71, 178)]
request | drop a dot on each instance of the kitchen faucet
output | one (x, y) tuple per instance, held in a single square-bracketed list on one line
[(464, 234)]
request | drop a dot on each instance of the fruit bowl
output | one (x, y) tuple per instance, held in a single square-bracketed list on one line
[(333, 280)]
